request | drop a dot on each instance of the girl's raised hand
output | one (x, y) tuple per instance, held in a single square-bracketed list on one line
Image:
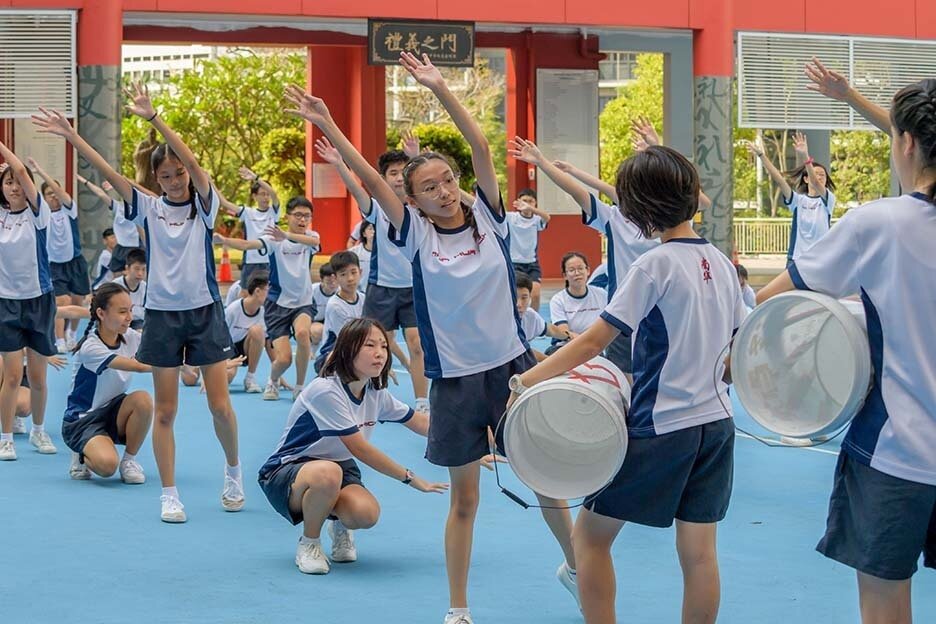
[(217, 239), (246, 173), (524, 150), (140, 103), (639, 143), (53, 122), (107, 186), (32, 163), (327, 151), (643, 127), (275, 233), (825, 81), (753, 147), (423, 70), (410, 144), (799, 144), (307, 106)]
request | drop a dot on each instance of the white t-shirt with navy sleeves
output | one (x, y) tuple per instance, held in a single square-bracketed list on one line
[(812, 219), (524, 236), (321, 301), (255, 223), (338, 313), (464, 292), (102, 272), (577, 312), (325, 411), (683, 303), (179, 252), (364, 259), (389, 267), (125, 231), (290, 280), (64, 240), (24, 254), (94, 384), (625, 242), (137, 297), (239, 322), (533, 324), (884, 252)]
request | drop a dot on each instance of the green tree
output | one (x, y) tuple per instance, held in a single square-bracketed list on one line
[(641, 97), (283, 161), (442, 138), (224, 110), (860, 166)]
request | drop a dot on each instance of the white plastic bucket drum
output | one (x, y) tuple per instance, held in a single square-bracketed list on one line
[(566, 437), (801, 364)]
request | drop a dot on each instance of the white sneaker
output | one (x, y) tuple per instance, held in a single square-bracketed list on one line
[(296, 392), (7, 450), (77, 470), (173, 511), (251, 386), (342, 538), (131, 472), (61, 347), (271, 392), (457, 619), (42, 442), (232, 496), (19, 425), (70, 344), (311, 559), (569, 581)]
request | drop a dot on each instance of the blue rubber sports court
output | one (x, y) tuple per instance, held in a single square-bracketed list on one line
[(96, 552)]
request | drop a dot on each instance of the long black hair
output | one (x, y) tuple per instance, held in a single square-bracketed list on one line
[(163, 153), (799, 178), (914, 111), (410, 169), (350, 340), (100, 301)]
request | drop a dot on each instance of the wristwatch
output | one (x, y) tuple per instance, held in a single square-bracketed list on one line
[(409, 477), (516, 385)]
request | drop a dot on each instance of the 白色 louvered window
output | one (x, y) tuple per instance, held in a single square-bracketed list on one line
[(37, 62), (772, 87)]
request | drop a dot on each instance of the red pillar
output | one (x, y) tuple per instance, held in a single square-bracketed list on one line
[(354, 93)]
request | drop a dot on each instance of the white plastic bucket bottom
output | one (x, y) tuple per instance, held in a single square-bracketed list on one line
[(566, 437), (801, 364)]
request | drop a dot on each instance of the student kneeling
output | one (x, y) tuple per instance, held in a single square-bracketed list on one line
[(100, 414), (312, 474)]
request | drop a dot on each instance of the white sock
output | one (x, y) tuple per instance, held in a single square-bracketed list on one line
[(127, 457), (6, 437), (249, 376), (38, 428), (69, 334), (233, 471), (459, 611), (422, 404), (171, 492), (305, 541), (59, 342)]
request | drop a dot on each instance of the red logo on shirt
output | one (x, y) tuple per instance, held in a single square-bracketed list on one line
[(706, 270), (460, 254)]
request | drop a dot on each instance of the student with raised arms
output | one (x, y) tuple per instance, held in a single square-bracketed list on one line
[(245, 320), (125, 231), (312, 474), (526, 221), (290, 307), (256, 220), (101, 412), (462, 277), (27, 300), (347, 304), (682, 302), (184, 317), (390, 278), (882, 512)]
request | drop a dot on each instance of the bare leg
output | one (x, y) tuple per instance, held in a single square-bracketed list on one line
[(459, 530), (253, 345), (166, 390), (100, 455), (698, 558), (535, 296), (134, 419), (77, 300), (417, 365), (61, 300), (219, 403), (592, 538), (559, 522), (282, 357), (9, 388), (883, 601), (357, 508), (313, 493), (315, 335), (36, 368), (302, 331)]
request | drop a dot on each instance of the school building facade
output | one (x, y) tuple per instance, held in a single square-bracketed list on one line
[(542, 39)]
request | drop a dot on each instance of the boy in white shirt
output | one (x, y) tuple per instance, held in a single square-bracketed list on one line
[(245, 320)]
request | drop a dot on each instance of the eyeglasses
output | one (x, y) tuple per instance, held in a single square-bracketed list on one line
[(434, 190), (576, 270), (302, 216)]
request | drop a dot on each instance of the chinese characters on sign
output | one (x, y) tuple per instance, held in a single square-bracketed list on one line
[(446, 43)]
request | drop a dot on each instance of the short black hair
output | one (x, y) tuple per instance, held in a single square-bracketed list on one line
[(523, 280), (657, 189), (742, 272), (344, 259), (255, 187), (136, 256), (391, 158), (527, 192), (326, 270), (297, 201), (258, 279), (107, 232)]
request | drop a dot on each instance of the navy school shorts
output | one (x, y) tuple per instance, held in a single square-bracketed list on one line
[(392, 307), (28, 323), (277, 485), (196, 337)]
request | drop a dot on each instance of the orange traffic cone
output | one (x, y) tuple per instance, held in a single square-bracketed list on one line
[(224, 273)]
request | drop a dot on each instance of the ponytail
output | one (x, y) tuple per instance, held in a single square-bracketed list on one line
[(914, 110), (100, 301)]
